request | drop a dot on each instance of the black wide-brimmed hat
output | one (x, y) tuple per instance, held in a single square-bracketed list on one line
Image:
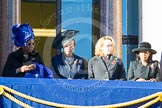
[(63, 38), (144, 46)]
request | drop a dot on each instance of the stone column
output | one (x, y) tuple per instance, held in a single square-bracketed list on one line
[(111, 22), (117, 28), (9, 15)]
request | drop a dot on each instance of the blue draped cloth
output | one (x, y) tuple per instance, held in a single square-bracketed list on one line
[(40, 72), (79, 92)]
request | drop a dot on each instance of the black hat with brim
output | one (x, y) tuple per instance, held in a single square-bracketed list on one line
[(144, 46), (63, 38)]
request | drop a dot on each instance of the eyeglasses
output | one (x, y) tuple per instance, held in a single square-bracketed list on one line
[(30, 44)]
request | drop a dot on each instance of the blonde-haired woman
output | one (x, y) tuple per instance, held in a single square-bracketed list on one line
[(104, 65)]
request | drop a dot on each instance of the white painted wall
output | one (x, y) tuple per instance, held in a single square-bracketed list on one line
[(152, 25)]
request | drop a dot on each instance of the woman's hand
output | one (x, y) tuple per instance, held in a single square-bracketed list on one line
[(141, 79), (32, 66), (152, 80), (26, 68)]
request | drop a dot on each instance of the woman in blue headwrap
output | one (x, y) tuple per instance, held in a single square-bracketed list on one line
[(25, 62)]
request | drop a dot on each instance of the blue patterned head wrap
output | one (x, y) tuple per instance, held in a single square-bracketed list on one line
[(22, 33)]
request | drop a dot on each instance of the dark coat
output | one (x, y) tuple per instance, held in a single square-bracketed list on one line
[(113, 69), (16, 60), (77, 69), (137, 70)]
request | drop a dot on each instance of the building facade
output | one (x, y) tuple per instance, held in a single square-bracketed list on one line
[(93, 18)]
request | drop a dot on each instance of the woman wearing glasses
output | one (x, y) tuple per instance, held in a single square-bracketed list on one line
[(25, 61)]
